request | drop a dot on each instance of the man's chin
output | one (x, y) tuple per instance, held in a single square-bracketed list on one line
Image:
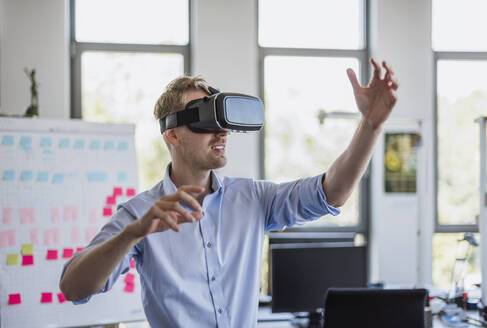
[(221, 162), (214, 163)]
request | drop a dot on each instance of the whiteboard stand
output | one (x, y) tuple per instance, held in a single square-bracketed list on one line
[(483, 210), (60, 182)]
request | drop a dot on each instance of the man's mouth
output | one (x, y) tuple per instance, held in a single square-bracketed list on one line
[(218, 149)]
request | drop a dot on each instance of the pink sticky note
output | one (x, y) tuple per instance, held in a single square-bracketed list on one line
[(27, 259), (132, 264), (70, 213), (61, 298), (111, 200), (129, 287), (75, 235), (47, 237), (67, 213), (79, 249), (90, 233), (14, 299), (7, 238), (27, 215), (93, 216), (117, 191), (55, 235), (51, 236), (3, 239), (7, 215), (74, 213), (55, 217), (67, 253), (46, 297), (130, 192), (11, 237), (107, 211), (34, 238), (51, 254), (129, 278)]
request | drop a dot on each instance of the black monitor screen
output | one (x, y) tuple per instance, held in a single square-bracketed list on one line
[(302, 273)]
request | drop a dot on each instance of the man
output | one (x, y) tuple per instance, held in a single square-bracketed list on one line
[(206, 272)]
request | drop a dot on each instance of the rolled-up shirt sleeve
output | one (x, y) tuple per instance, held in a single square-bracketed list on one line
[(116, 224), (293, 203)]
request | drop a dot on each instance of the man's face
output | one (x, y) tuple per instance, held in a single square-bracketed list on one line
[(203, 151)]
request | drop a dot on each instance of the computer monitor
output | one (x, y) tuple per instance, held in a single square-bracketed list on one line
[(310, 237), (303, 272)]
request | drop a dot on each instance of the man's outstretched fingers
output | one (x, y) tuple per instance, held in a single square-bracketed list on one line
[(388, 68), (170, 221), (175, 206), (394, 84), (377, 69), (162, 215), (182, 196), (353, 79)]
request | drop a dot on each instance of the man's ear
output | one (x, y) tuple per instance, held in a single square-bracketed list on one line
[(172, 137)]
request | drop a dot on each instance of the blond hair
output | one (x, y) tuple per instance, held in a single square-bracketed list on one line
[(172, 99)]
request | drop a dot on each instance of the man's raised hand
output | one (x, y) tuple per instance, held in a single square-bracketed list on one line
[(168, 213), (376, 100)]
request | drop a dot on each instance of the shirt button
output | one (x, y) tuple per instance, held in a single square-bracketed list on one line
[(220, 310), (209, 244), (213, 278)]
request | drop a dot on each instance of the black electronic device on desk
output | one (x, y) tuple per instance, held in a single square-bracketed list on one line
[(294, 237), (303, 272)]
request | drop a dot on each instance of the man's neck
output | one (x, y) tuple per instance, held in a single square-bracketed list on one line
[(181, 176)]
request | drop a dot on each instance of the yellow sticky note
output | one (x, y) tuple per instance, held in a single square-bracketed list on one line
[(12, 259), (27, 249)]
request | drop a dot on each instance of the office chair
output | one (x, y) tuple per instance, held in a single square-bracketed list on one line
[(362, 307)]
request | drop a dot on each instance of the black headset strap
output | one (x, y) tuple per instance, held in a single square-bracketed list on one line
[(213, 91), (182, 117), (185, 116)]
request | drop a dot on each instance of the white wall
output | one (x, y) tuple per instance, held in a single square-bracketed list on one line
[(224, 51), (402, 225), (35, 35)]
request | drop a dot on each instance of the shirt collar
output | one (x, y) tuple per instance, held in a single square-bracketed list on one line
[(169, 187)]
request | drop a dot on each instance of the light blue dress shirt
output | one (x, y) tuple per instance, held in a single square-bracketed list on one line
[(208, 274)]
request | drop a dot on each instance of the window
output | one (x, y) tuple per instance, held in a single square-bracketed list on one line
[(460, 51), (122, 60), (325, 24), (310, 109), (298, 144), (459, 25), (305, 49)]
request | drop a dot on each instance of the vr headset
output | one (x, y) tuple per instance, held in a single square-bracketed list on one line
[(218, 111)]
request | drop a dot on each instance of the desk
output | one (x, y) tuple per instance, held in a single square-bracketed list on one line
[(438, 323), (267, 319), (283, 320)]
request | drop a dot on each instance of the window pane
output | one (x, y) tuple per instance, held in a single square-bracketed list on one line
[(447, 248), (123, 87), (462, 97), (140, 22), (334, 24), (459, 25), (297, 145)]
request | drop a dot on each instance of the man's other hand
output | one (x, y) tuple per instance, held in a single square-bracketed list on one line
[(168, 213), (376, 100)]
